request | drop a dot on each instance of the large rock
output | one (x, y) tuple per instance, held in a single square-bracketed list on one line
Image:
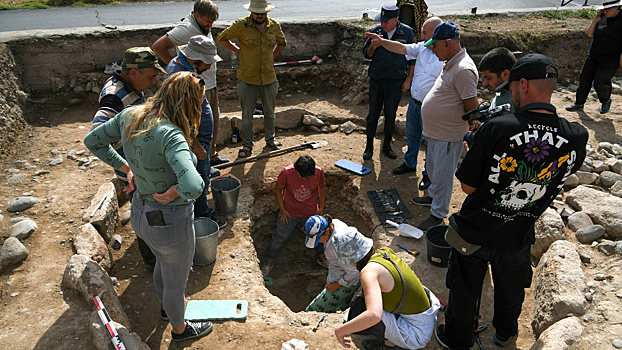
[(608, 178), (88, 242), (603, 208), (588, 234), (20, 204), (586, 178), (579, 220), (257, 124), (106, 218), (599, 166), (347, 127), (88, 279), (13, 251), (560, 336), (224, 130), (616, 189), (290, 118), (101, 339), (572, 181), (607, 247), (548, 228), (23, 229), (558, 286), (617, 166), (309, 119)]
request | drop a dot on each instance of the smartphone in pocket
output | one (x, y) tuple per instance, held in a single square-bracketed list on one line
[(155, 218)]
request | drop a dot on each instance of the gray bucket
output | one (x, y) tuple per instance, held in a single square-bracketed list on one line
[(438, 249), (206, 232), (225, 191)]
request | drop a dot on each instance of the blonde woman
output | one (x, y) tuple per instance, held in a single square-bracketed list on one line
[(161, 168)]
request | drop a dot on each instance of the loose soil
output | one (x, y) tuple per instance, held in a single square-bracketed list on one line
[(35, 313)]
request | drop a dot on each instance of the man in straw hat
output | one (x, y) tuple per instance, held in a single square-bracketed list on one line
[(125, 88), (261, 40), (197, 56)]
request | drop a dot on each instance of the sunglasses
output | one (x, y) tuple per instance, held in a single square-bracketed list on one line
[(259, 14)]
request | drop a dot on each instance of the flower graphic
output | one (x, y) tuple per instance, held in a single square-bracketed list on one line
[(536, 150), (508, 164)]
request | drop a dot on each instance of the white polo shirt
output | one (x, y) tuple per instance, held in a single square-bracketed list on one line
[(427, 69)]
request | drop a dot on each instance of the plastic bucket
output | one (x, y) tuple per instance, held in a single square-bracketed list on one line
[(225, 191), (206, 233), (438, 249)]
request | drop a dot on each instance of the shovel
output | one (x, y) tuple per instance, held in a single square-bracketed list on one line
[(406, 230), (278, 152), (315, 60)]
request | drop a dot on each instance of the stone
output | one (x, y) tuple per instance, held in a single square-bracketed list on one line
[(603, 208), (295, 344), (560, 336), (617, 343), (56, 161), (599, 166), (586, 259), (325, 129), (585, 167), (586, 178), (548, 228), (616, 189), (558, 286), (125, 213), (290, 118), (116, 242), (616, 149), (579, 220), (106, 218), (588, 234), (20, 204), (314, 129), (87, 279), (608, 178), (347, 127), (599, 277), (12, 252), (1, 217), (88, 242), (589, 297), (17, 219), (607, 146), (572, 181), (225, 130), (101, 339), (23, 229), (257, 124), (607, 247), (617, 166), (566, 212), (619, 248), (42, 172), (309, 119), (16, 178), (400, 127)]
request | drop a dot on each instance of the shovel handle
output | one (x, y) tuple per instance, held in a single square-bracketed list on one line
[(392, 223)]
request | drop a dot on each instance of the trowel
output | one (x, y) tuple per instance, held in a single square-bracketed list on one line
[(406, 230)]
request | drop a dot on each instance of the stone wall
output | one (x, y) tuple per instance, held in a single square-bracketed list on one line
[(11, 99)]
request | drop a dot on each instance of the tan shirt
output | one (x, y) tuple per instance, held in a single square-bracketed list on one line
[(256, 57), (442, 108)]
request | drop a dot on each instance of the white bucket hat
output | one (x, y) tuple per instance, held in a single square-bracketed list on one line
[(609, 3), (351, 246), (259, 6), (200, 48)]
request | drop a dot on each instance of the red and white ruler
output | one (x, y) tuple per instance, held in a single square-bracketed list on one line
[(107, 321)]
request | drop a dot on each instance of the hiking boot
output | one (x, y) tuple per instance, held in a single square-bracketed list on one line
[(425, 183), (501, 341), (575, 107), (605, 107), (193, 330), (422, 201), (369, 150), (403, 169), (387, 151), (431, 221)]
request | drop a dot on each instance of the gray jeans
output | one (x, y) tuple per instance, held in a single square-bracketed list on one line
[(173, 246), (247, 94), (441, 161)]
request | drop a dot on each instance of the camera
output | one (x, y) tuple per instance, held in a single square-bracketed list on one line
[(482, 114)]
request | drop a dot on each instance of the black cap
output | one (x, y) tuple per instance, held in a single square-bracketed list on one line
[(532, 66)]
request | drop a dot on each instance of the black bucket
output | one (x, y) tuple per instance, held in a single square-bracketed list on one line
[(438, 249)]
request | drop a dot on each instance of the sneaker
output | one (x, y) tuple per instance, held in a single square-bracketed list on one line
[(605, 107), (574, 107), (193, 330), (501, 341), (441, 337), (422, 201), (430, 222), (265, 270), (425, 183), (221, 223), (403, 169), (322, 263), (214, 173), (163, 315)]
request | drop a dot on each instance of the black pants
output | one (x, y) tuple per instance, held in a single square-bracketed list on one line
[(511, 274), (598, 71), (387, 93), (149, 259), (357, 307)]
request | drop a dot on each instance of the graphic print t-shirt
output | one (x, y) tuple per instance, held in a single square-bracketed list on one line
[(518, 163), (300, 194)]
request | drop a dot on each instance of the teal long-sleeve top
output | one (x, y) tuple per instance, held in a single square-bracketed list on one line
[(159, 159)]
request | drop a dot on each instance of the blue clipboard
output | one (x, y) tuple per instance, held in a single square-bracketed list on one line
[(216, 310), (353, 167)]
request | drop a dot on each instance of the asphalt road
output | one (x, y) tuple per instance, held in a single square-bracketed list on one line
[(159, 13)]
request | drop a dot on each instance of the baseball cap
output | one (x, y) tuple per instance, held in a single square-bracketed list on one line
[(201, 48), (315, 227), (140, 58), (532, 66), (351, 246), (444, 31), (388, 12)]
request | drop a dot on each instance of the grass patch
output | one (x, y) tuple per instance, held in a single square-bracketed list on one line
[(588, 13), (25, 6)]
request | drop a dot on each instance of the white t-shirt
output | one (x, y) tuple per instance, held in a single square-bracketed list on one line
[(427, 69), (181, 34)]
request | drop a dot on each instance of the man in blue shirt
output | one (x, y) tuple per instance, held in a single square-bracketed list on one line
[(389, 75)]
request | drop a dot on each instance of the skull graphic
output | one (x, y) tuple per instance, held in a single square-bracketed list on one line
[(521, 194)]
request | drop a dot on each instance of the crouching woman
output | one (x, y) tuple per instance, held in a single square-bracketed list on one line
[(395, 308)]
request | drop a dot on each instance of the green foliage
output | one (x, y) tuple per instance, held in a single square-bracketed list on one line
[(27, 6), (588, 13)]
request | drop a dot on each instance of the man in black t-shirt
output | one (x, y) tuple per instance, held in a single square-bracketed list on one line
[(517, 165)]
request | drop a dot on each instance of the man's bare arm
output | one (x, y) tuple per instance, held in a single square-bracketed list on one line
[(161, 47)]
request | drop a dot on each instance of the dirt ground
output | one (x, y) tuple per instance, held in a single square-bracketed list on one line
[(35, 313)]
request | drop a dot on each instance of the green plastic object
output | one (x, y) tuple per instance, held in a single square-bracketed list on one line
[(215, 310)]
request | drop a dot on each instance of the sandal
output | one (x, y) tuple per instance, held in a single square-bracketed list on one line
[(275, 145), (244, 152)]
